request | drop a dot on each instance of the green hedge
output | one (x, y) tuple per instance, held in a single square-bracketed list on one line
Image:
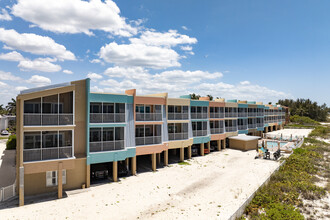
[(303, 120), (11, 143)]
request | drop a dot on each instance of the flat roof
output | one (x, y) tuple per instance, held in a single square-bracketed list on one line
[(244, 137)]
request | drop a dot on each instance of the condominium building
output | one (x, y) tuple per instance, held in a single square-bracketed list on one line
[(66, 134)]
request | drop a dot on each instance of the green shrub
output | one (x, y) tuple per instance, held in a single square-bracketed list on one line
[(303, 120), (11, 143), (321, 131)]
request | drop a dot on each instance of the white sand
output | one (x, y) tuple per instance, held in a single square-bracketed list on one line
[(294, 132), (212, 187)]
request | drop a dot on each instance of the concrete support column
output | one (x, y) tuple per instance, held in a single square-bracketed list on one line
[(21, 186), (189, 152), (224, 144), (219, 145), (209, 146), (59, 181), (202, 149), (115, 171), (133, 165), (165, 157), (88, 176), (181, 154), (153, 161)]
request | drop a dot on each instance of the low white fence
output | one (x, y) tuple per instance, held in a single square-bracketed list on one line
[(7, 192)]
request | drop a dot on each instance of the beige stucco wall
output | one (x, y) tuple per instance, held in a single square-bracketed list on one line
[(177, 101), (180, 144)]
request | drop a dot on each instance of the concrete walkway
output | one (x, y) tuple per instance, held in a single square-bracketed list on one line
[(7, 165)]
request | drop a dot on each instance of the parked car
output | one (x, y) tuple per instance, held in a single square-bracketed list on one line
[(4, 132), (194, 151), (122, 169)]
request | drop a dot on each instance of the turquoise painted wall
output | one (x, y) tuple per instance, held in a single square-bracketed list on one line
[(199, 103), (109, 156), (243, 131), (115, 98), (199, 140), (241, 105)]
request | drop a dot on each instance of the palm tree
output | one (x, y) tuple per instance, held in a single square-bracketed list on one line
[(11, 107)]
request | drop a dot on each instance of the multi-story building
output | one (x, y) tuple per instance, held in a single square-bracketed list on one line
[(66, 134)]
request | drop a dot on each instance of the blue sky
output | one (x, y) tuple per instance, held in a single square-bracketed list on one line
[(249, 50)]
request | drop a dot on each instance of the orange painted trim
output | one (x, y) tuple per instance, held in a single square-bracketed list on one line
[(217, 104), (148, 123), (216, 119), (150, 149), (150, 100), (215, 137)]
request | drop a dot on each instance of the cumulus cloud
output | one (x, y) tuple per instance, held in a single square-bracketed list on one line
[(67, 71), (186, 48), (245, 82), (127, 72), (39, 64), (168, 39), (139, 55), (94, 76), (97, 61), (184, 28), (4, 15), (20, 88), (8, 76), (35, 44), (74, 16), (39, 80), (12, 56)]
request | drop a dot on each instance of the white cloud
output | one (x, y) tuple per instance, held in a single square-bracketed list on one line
[(128, 73), (39, 80), (20, 88), (96, 89), (34, 44), (67, 71), (12, 56), (2, 84), (94, 76), (245, 82), (97, 61), (168, 39), (42, 65), (4, 15), (139, 55), (186, 48), (8, 76), (74, 16), (184, 28)]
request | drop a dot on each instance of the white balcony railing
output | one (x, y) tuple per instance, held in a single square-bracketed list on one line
[(231, 115), (178, 116), (242, 127), (199, 116), (107, 117), (47, 153), (148, 140), (231, 128), (106, 146), (217, 115), (217, 130), (198, 133), (148, 116), (177, 136), (31, 119), (252, 125)]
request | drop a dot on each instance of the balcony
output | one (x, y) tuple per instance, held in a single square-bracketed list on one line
[(198, 133), (199, 116), (252, 126), (242, 114), (231, 128), (178, 116), (242, 127), (252, 114), (260, 113), (47, 153), (148, 140), (106, 146), (107, 117), (177, 136), (217, 130), (148, 116), (31, 119), (231, 115)]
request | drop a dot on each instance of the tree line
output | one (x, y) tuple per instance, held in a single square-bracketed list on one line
[(9, 109), (306, 107)]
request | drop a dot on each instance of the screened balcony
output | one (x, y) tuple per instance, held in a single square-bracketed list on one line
[(217, 127), (242, 124), (49, 110), (252, 123), (231, 125), (177, 131), (260, 112), (106, 139), (260, 122), (148, 134), (217, 112), (252, 112), (199, 128), (47, 145), (176, 112), (242, 112), (107, 112), (148, 112), (199, 112), (231, 112)]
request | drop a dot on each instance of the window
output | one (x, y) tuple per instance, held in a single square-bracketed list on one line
[(51, 178)]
